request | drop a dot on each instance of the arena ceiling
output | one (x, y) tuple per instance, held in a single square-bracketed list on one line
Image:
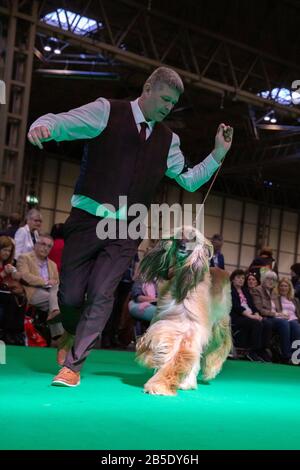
[(226, 52)]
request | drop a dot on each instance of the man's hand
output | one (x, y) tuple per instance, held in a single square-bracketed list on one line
[(223, 142), (52, 282), (38, 134)]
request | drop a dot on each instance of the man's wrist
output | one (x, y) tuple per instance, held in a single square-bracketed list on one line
[(218, 154)]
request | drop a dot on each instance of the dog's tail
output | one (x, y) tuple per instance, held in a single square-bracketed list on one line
[(217, 350)]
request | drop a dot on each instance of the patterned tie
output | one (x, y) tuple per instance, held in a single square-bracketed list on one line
[(142, 134)]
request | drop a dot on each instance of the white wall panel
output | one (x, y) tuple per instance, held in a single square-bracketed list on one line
[(251, 213), (249, 234), (47, 198), (213, 205), (233, 209), (231, 230)]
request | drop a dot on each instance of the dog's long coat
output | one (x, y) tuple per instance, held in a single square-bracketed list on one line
[(192, 323)]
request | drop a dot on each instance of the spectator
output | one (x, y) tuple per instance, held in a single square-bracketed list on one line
[(264, 261), (11, 296), (252, 281), (27, 236), (289, 304), (254, 333), (41, 277), (13, 225), (265, 297), (295, 276), (57, 233), (144, 300), (218, 259)]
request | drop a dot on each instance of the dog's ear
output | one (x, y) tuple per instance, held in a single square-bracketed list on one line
[(156, 263), (187, 278)]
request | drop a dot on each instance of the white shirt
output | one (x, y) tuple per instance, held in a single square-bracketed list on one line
[(89, 120), (23, 240)]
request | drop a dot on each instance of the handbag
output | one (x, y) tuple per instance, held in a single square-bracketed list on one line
[(33, 337)]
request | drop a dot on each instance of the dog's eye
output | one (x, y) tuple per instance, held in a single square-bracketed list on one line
[(182, 247)]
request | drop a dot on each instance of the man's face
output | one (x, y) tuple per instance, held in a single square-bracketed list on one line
[(159, 101), (43, 247), (217, 244)]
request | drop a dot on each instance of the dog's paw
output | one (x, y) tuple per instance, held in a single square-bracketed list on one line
[(210, 375), (158, 388), (188, 385)]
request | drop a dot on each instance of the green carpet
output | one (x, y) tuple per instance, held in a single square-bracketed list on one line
[(248, 406)]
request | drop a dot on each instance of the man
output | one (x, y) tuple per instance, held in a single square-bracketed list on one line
[(26, 237), (128, 154), (218, 258), (41, 279)]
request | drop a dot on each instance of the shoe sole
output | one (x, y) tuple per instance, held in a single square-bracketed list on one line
[(60, 383)]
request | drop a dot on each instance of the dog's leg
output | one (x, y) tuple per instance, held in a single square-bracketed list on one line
[(217, 350), (167, 379), (190, 381), (200, 340)]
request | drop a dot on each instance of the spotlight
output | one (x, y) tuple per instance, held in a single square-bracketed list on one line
[(57, 51), (273, 120), (267, 118), (47, 48)]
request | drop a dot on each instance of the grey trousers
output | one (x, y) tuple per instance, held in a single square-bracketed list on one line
[(46, 300)]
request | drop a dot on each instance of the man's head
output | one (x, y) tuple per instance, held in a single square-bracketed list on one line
[(34, 219), (161, 92), (217, 241), (43, 246), (295, 271)]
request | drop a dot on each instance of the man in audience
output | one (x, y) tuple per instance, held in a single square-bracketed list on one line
[(40, 275), (217, 260)]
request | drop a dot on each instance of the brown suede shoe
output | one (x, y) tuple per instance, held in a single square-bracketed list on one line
[(64, 345), (66, 378)]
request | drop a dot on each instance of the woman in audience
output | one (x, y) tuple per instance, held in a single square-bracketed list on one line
[(265, 297), (253, 333), (288, 303), (252, 281), (27, 236), (144, 300), (12, 298)]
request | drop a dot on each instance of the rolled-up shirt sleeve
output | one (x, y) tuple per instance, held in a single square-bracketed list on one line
[(85, 122), (193, 178)]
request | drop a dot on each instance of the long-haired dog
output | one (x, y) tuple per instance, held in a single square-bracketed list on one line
[(191, 327)]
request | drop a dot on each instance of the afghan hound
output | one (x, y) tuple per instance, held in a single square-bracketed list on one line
[(191, 327)]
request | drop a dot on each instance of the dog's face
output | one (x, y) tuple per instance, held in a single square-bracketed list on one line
[(184, 259)]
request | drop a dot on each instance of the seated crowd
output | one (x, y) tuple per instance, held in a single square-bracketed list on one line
[(265, 315), (29, 280)]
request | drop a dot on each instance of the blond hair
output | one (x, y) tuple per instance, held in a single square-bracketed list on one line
[(165, 75), (291, 293)]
